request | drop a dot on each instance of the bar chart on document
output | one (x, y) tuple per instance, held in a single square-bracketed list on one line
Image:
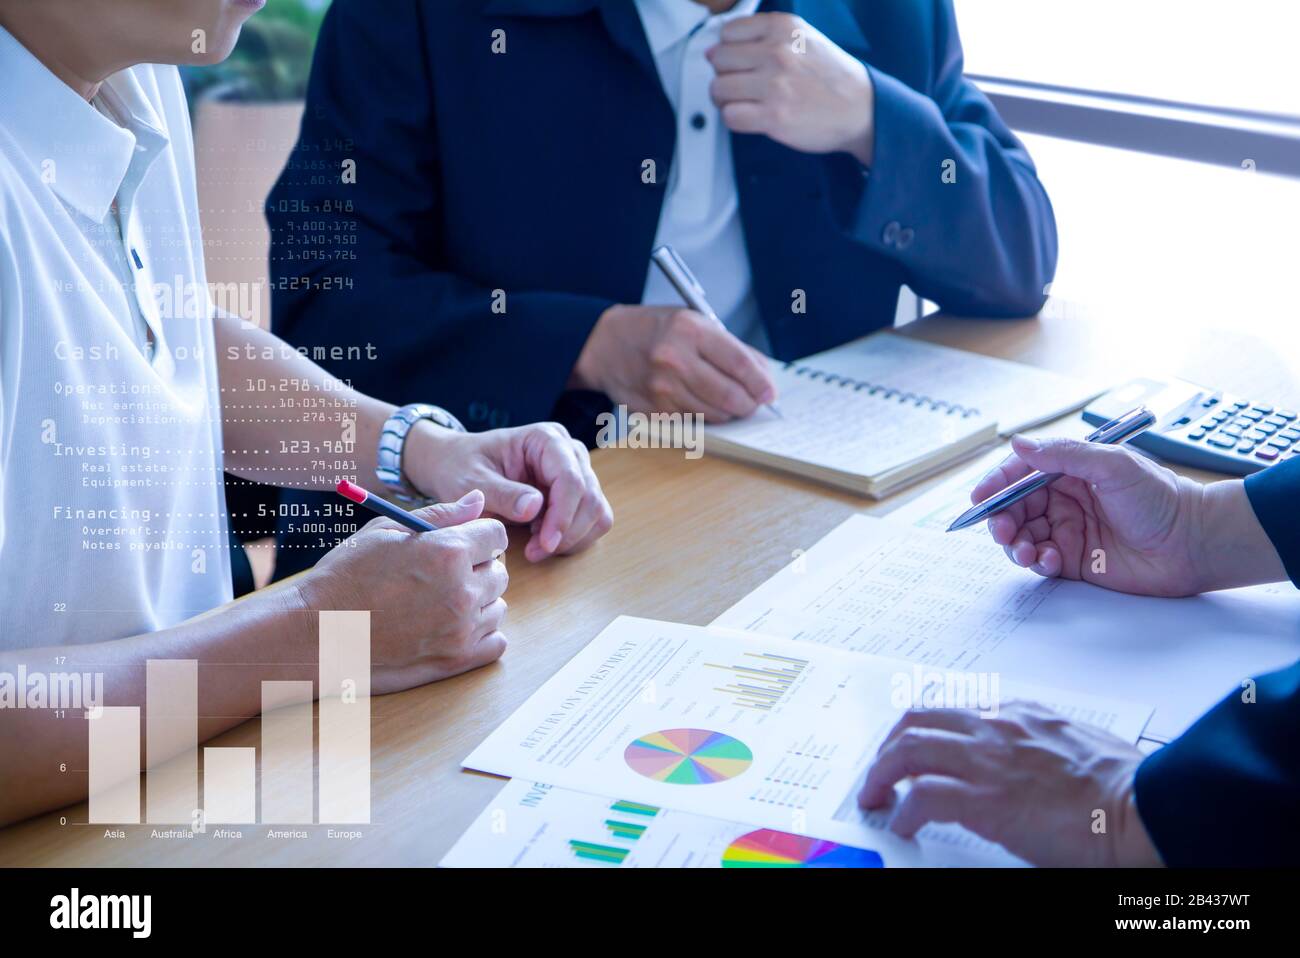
[(298, 785)]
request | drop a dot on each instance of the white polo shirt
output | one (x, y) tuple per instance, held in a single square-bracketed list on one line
[(700, 217), (112, 517)]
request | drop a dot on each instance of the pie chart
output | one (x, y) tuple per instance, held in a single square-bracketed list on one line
[(688, 756), (766, 848)]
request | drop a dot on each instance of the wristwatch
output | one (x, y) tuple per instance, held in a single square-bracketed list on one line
[(392, 442)]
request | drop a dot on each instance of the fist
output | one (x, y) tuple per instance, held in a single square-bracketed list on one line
[(779, 76), (435, 597)]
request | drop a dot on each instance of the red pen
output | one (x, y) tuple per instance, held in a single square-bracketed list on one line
[(350, 490)]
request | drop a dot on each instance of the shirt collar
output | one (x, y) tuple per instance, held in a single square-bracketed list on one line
[(82, 154), (668, 22)]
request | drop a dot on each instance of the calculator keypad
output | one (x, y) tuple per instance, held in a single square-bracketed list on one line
[(1249, 430)]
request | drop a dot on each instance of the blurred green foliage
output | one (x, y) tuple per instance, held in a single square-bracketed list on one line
[(272, 60)]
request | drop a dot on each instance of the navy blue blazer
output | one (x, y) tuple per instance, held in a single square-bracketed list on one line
[(1227, 792), (521, 172)]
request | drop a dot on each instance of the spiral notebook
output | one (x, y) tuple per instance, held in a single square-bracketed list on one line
[(881, 412)]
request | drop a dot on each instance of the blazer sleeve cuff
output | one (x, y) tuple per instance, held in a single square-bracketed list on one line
[(1274, 494), (1178, 826), (882, 207)]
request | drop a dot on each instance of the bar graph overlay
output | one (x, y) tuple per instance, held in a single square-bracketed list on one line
[(287, 761), (345, 717), (297, 783), (115, 766), (761, 680), (172, 740), (229, 786)]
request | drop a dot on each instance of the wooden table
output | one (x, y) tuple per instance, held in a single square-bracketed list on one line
[(690, 539)]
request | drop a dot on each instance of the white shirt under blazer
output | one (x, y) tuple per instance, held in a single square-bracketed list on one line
[(700, 217)]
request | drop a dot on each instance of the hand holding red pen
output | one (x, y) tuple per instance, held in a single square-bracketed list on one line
[(435, 597)]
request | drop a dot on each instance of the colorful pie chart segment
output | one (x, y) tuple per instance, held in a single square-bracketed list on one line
[(688, 756), (766, 848)]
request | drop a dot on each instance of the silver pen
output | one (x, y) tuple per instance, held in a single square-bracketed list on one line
[(688, 288), (1113, 433)]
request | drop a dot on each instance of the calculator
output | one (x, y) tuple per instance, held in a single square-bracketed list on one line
[(1204, 428)]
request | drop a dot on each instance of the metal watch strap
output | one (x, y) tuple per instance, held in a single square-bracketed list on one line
[(392, 443)]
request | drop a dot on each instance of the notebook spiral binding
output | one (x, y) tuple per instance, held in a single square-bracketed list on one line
[(883, 391)]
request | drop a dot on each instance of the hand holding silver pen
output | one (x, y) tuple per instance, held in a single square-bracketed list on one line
[(1115, 432), (688, 287)]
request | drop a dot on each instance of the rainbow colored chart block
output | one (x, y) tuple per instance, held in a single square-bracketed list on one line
[(688, 756), (766, 848)]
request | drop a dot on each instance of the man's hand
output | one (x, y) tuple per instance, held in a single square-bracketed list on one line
[(780, 76), (531, 475), (1120, 521), (435, 597), (1048, 790), (672, 359)]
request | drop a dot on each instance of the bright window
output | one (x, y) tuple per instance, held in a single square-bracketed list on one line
[(1226, 54)]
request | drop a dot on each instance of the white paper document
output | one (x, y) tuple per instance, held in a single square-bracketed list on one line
[(954, 601), (760, 731), (533, 825)]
